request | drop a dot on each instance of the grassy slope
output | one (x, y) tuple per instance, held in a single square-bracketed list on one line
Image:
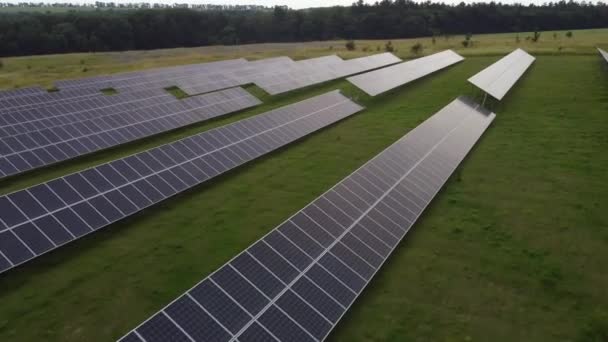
[(514, 248)]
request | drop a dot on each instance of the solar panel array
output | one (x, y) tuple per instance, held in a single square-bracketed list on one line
[(130, 79), (35, 119), (603, 53), (36, 149), (299, 280), (44, 217), (385, 79), (5, 94), (315, 71), (168, 81), (44, 99), (30, 119), (230, 78), (499, 78)]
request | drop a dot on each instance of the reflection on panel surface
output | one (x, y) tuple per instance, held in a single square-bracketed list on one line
[(36, 220), (382, 80), (500, 77), (296, 282)]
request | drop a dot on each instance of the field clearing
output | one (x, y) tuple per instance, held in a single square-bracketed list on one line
[(514, 247)]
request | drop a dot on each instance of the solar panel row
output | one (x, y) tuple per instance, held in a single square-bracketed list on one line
[(298, 281), (385, 79), (74, 90), (109, 81), (41, 148), (603, 53), (46, 98), (238, 76), (35, 119), (498, 78), (165, 81), (44, 217), (157, 79), (104, 105), (5, 94), (310, 72)]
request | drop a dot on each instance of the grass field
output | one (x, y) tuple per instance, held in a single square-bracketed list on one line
[(513, 249)]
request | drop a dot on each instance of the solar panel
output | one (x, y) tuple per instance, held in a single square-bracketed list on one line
[(603, 53), (309, 72), (382, 80), (36, 119), (44, 217), (164, 81), (499, 77), (44, 99), (140, 77), (6, 94), (230, 78), (29, 151), (297, 282)]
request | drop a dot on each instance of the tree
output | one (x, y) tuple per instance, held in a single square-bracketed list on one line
[(350, 45), (416, 48), (141, 27), (388, 47), (467, 40)]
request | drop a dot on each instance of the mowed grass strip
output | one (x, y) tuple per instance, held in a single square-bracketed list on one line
[(513, 248)]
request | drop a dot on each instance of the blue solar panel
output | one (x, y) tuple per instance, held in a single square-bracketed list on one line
[(295, 283), (44, 217), (59, 143)]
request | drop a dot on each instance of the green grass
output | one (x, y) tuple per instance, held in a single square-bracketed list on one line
[(514, 248), (109, 91), (177, 92)]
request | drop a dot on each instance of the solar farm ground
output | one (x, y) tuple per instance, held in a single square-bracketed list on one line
[(514, 248)]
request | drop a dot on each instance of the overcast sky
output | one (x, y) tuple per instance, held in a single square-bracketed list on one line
[(290, 3)]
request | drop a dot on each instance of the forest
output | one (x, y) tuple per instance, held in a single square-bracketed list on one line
[(108, 29)]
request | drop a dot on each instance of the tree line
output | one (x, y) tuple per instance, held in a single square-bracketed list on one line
[(27, 33)]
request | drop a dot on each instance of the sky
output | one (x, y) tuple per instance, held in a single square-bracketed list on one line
[(297, 4)]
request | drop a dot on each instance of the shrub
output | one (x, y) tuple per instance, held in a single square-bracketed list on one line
[(378, 48), (569, 34), (350, 45), (388, 47), (416, 48), (536, 36), (85, 69), (365, 49), (517, 38), (467, 40), (554, 35), (1, 64), (433, 40)]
